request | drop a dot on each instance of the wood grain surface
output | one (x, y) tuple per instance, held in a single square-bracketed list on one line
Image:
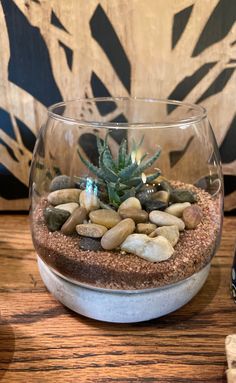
[(42, 341)]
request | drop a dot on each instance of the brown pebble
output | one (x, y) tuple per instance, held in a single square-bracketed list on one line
[(59, 197), (117, 234), (78, 216), (145, 228), (137, 215), (161, 195), (192, 216), (91, 230), (105, 217)]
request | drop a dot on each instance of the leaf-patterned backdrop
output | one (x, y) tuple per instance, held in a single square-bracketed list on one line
[(57, 50)]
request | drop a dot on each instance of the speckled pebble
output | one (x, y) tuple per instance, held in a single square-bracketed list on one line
[(91, 230)]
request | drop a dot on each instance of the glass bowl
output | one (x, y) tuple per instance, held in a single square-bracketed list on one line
[(126, 205)]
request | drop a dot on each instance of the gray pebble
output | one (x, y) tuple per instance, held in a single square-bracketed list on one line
[(61, 182), (91, 244), (55, 218)]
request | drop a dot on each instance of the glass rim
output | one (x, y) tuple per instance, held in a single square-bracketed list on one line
[(201, 113)]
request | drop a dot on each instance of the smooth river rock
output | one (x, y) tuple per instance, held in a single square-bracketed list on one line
[(89, 200), (181, 195), (137, 215), (177, 208), (161, 218), (145, 228), (117, 234), (161, 195), (55, 218), (105, 217), (155, 205), (59, 197), (171, 233), (91, 230), (152, 249), (70, 207), (61, 182), (192, 216), (130, 203), (77, 217)]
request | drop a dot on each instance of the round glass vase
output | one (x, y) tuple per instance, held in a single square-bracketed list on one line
[(126, 205)]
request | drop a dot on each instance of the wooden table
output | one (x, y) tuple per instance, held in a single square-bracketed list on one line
[(42, 341)]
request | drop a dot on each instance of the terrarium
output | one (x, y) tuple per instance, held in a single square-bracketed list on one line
[(126, 205)]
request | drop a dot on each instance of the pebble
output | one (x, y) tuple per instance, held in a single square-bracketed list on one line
[(61, 182), (59, 197), (180, 195), (78, 216), (137, 215), (89, 200), (161, 218), (131, 202), (161, 195), (177, 208), (91, 230), (117, 234), (155, 205), (145, 194), (163, 184), (107, 218), (192, 216), (91, 244), (70, 207), (152, 249), (55, 218), (145, 228), (169, 232)]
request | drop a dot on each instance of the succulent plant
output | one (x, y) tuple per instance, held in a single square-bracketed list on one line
[(122, 177)]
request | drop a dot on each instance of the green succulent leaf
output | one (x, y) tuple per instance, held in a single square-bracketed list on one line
[(110, 175), (94, 169), (127, 172), (128, 194), (120, 178), (100, 145), (114, 198), (153, 176), (122, 154), (144, 165)]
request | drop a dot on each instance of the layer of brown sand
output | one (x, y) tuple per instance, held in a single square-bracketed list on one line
[(127, 271)]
